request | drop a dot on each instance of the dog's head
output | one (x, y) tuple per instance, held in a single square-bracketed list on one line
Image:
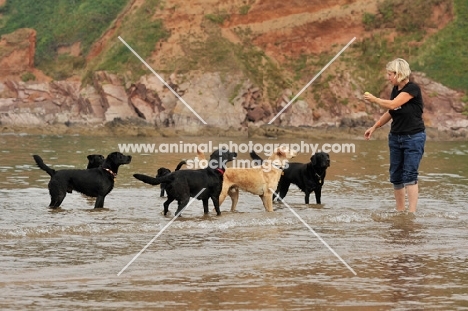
[(320, 160), (285, 152), (219, 158), (95, 160), (118, 158), (281, 156), (162, 171)]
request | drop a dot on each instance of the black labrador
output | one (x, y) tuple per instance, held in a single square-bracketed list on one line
[(162, 171), (309, 177), (94, 182), (95, 160), (181, 185)]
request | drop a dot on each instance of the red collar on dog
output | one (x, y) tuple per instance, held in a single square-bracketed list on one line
[(220, 170), (111, 172)]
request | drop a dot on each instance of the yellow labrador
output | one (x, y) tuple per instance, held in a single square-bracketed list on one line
[(257, 180)]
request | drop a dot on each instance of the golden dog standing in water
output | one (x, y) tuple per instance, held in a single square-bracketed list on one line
[(259, 180)]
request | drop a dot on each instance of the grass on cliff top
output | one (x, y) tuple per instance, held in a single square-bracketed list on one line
[(142, 33), (60, 23), (444, 57)]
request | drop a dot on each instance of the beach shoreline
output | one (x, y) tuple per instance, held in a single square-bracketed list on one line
[(265, 131)]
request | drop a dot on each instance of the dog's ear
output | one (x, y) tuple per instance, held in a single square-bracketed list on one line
[(112, 155), (313, 159)]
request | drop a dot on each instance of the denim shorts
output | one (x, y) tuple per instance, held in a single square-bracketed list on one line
[(406, 152)]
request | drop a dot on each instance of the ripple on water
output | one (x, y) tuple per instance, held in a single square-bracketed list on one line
[(249, 259)]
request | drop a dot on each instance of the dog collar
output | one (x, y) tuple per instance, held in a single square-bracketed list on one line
[(277, 166), (319, 178), (111, 172), (220, 170)]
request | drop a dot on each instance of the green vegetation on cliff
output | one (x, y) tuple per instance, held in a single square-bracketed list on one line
[(399, 29), (60, 23), (141, 32), (444, 56)]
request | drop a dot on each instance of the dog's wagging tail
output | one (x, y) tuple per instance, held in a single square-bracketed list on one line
[(150, 180), (43, 166)]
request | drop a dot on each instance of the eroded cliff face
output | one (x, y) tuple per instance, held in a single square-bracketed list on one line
[(149, 101), (281, 29), (17, 53)]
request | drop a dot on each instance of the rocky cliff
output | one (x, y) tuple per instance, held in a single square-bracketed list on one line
[(230, 101)]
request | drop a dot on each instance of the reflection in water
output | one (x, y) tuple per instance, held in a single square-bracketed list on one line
[(248, 260), (404, 229), (404, 271), (406, 274)]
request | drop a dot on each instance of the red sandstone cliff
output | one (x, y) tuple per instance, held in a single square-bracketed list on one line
[(282, 29)]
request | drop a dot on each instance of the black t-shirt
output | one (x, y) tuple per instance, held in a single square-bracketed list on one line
[(407, 119)]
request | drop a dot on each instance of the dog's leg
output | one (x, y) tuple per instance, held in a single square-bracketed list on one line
[(162, 190), (234, 194), (306, 197), (265, 205), (223, 194), (318, 195), (166, 204), (57, 195), (56, 201), (99, 202), (283, 188), (205, 206), (216, 204), (182, 203), (267, 199)]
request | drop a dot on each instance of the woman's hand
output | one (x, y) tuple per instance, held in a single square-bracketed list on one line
[(368, 96), (368, 133)]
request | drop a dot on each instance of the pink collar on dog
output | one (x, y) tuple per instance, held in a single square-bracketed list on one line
[(111, 172)]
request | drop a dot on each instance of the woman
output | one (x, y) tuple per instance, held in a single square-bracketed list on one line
[(407, 132)]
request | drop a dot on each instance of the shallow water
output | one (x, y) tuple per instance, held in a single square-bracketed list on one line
[(247, 260)]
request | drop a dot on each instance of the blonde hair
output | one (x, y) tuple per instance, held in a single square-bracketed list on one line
[(400, 67)]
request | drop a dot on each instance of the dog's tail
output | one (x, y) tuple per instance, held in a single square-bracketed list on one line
[(152, 180), (43, 166), (181, 163), (256, 157)]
